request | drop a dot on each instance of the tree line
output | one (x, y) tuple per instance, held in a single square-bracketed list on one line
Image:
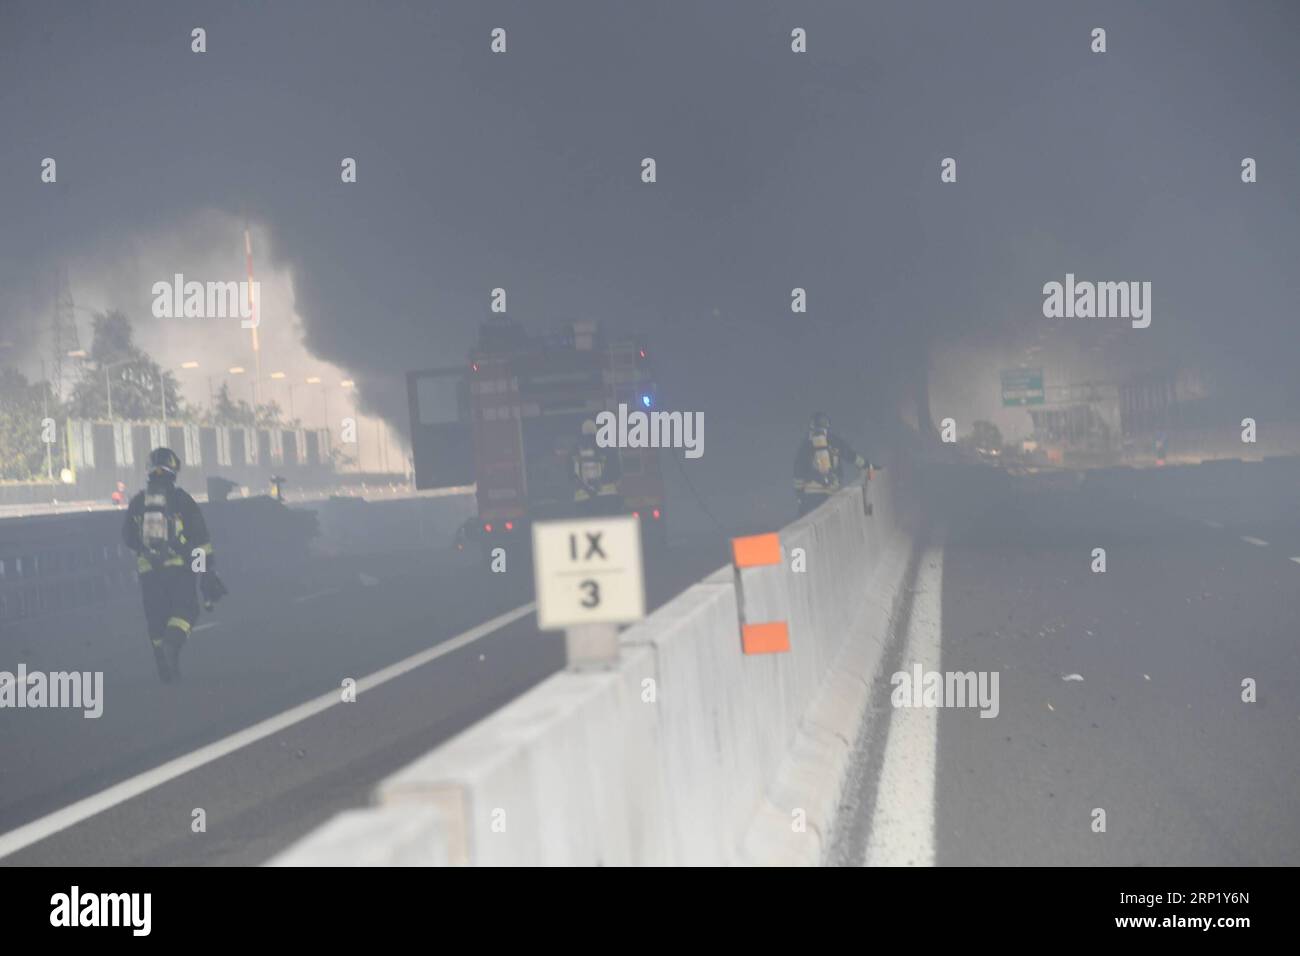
[(138, 385)]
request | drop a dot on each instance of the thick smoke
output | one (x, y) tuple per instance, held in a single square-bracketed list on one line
[(775, 170)]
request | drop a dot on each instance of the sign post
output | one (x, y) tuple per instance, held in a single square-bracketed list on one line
[(589, 579)]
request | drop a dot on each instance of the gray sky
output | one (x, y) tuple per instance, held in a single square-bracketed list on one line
[(775, 170)]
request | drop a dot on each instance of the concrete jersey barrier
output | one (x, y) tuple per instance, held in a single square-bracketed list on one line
[(687, 751)]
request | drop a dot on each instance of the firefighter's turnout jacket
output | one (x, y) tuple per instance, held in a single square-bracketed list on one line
[(164, 527), (596, 472), (819, 463)]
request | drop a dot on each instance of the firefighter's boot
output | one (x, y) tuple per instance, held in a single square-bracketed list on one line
[(160, 658), (177, 631)]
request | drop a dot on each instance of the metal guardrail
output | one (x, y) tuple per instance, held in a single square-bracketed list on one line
[(50, 564)]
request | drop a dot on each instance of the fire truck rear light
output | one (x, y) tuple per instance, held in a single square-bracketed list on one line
[(510, 526), (656, 514), (636, 514), (487, 528)]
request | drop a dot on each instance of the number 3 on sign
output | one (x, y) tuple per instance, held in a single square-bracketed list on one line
[(592, 590)]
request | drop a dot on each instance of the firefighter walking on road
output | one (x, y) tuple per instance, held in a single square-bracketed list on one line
[(165, 529), (818, 464)]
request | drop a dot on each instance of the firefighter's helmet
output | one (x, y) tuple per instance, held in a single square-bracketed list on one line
[(820, 422), (163, 462)]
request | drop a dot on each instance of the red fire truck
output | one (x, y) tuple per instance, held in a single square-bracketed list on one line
[(509, 420)]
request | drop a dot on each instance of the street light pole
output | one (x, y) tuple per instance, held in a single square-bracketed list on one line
[(45, 413), (316, 380), (108, 384)]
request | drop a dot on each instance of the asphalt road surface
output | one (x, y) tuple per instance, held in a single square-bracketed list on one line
[(1119, 692), (255, 663)]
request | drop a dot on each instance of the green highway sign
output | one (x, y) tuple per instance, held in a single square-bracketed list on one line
[(1022, 386)]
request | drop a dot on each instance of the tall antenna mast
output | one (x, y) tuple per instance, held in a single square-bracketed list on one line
[(64, 336)]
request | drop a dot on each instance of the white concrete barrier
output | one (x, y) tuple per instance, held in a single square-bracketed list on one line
[(376, 836), (557, 776), (688, 751)]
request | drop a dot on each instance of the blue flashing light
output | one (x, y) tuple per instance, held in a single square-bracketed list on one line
[(645, 400)]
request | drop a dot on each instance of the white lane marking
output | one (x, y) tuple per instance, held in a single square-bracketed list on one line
[(29, 833), (1296, 560), (1257, 542), (902, 827), (204, 627), (315, 594), (1212, 524)]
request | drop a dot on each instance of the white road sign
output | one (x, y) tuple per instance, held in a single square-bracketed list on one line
[(588, 571)]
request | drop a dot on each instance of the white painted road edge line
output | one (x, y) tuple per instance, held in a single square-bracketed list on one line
[(1296, 560), (1257, 542), (902, 827), (29, 833)]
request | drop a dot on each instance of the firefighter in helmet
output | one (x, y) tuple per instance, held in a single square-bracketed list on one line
[(819, 463), (596, 474), (165, 529)]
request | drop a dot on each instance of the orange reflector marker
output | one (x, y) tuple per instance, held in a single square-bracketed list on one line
[(756, 550), (770, 638)]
